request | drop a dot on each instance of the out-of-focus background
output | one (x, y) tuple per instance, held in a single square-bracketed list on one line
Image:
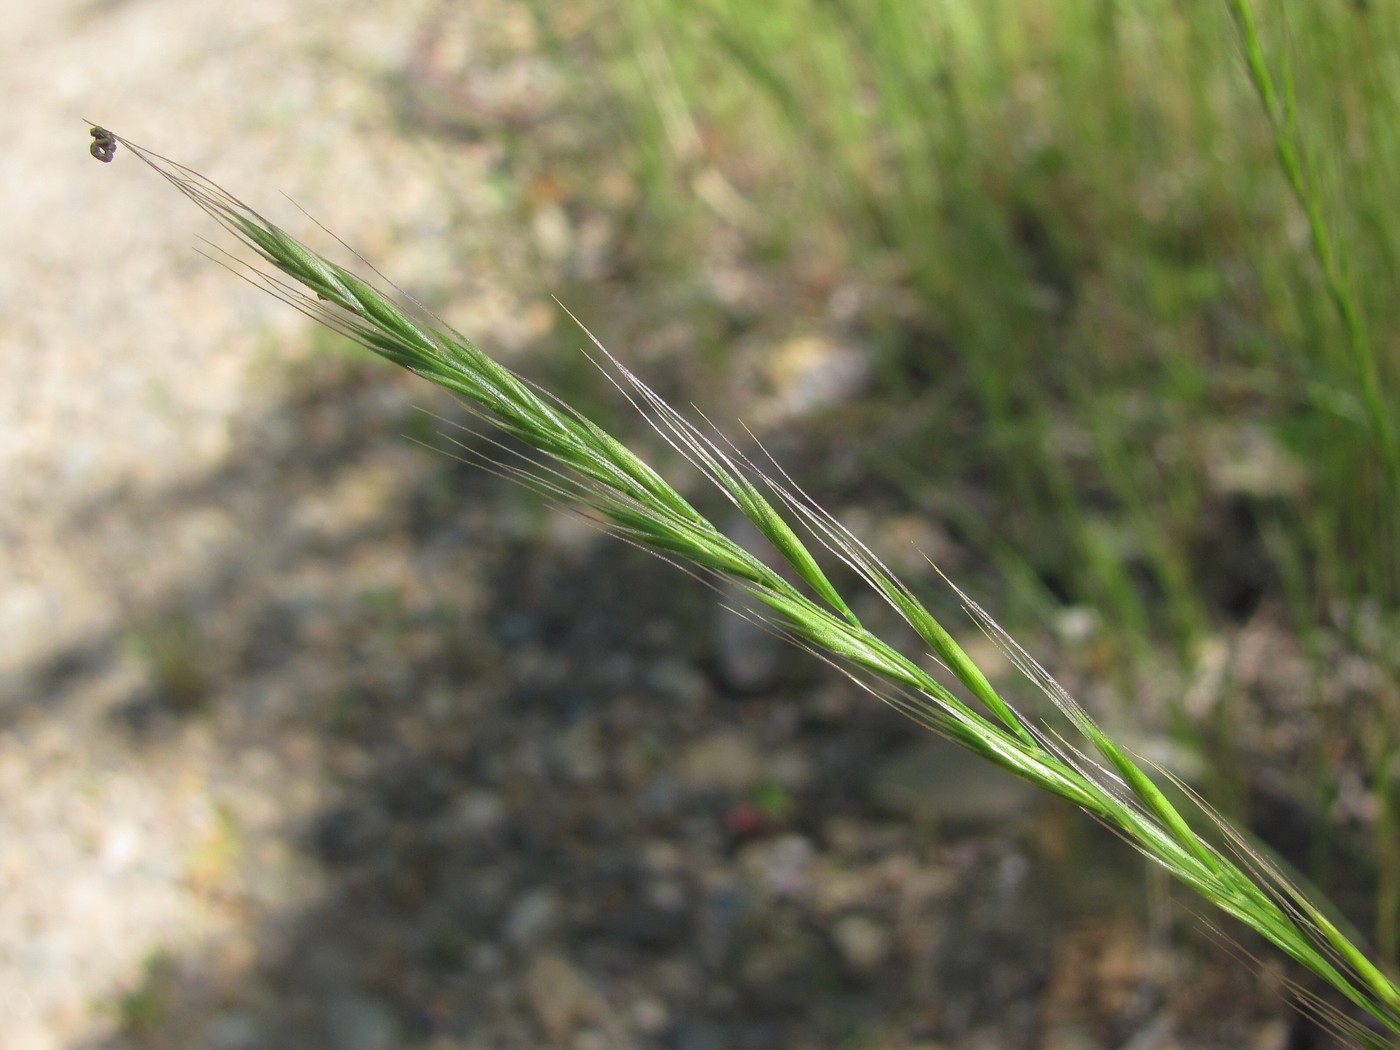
[(313, 736)]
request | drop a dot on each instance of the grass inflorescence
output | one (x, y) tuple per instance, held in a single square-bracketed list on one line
[(1073, 758)]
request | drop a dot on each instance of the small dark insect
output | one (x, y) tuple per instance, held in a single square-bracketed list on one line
[(104, 145)]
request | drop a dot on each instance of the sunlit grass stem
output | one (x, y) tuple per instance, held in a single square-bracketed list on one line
[(1280, 108)]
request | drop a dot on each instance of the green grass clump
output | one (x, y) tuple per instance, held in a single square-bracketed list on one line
[(1127, 264), (1071, 758)]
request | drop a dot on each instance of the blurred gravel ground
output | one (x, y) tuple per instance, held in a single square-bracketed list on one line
[(136, 369), (309, 738)]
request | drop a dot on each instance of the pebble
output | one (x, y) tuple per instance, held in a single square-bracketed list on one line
[(783, 865), (727, 761), (791, 768), (721, 912), (561, 997), (233, 1031), (650, 1016), (533, 917), (932, 780), (472, 814), (864, 943), (811, 373), (699, 1035), (1076, 624), (358, 1022), (676, 680), (579, 752), (749, 656)]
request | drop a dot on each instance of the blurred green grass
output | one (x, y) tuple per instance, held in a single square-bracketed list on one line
[(1124, 338), (1086, 198)]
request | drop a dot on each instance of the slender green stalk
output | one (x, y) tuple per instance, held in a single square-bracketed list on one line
[(1280, 109), (632, 500)]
